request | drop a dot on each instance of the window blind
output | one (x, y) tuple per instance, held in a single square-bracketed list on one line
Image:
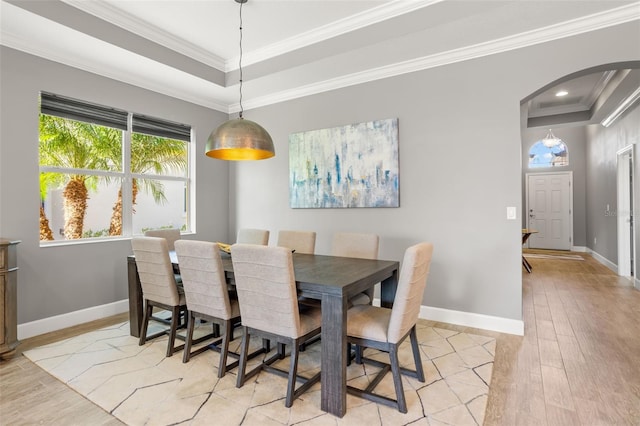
[(75, 109), (162, 128)]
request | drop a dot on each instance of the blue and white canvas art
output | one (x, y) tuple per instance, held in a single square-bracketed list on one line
[(343, 167)]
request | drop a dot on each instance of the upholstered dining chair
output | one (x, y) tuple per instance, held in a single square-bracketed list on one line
[(253, 236), (385, 329), (159, 287), (170, 234), (300, 241), (266, 288), (207, 297), (362, 246)]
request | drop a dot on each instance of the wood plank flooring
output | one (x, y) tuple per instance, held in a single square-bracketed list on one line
[(577, 364)]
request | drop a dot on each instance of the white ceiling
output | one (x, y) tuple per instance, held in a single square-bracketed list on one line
[(291, 48)]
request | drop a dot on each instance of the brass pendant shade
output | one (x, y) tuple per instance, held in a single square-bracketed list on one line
[(240, 139)]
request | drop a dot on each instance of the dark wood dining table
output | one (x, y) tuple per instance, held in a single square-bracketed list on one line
[(329, 279), (526, 233)]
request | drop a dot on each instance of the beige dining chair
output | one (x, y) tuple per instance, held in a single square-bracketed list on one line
[(300, 241), (385, 329), (361, 246), (269, 308), (159, 287), (253, 236), (206, 294), (170, 234)]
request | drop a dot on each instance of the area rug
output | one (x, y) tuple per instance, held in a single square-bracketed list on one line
[(553, 256), (140, 386)]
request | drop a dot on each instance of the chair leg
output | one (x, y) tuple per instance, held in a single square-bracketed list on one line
[(293, 371), (416, 354), (244, 349), (397, 378), (175, 318), (359, 352), (186, 355), (224, 349), (148, 310)]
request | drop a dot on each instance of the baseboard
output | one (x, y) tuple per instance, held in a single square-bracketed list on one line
[(469, 319), (580, 249), (606, 262), (58, 322)]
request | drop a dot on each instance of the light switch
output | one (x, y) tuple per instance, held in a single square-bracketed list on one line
[(511, 213)]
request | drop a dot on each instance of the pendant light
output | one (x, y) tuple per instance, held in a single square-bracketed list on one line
[(240, 139), (551, 140)]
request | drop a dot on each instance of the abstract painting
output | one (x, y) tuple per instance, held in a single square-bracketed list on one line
[(343, 167)]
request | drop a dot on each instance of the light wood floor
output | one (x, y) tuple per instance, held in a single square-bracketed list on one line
[(578, 363)]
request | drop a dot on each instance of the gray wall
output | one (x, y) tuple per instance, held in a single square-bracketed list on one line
[(62, 279), (460, 165), (460, 162), (603, 144), (575, 139)]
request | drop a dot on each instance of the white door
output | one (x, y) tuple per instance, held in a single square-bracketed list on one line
[(549, 204), (624, 212)]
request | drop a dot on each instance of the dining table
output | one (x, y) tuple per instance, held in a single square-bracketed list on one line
[(526, 233), (332, 280)]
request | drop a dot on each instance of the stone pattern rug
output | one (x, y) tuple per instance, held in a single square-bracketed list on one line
[(140, 386)]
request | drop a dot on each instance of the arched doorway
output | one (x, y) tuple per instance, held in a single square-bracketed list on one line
[(590, 111)]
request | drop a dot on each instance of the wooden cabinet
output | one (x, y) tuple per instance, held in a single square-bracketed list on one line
[(8, 297)]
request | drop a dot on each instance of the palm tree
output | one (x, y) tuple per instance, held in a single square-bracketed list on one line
[(149, 154), (47, 180), (71, 144), (79, 145)]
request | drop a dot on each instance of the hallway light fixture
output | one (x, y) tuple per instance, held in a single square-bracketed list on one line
[(551, 140), (240, 139)]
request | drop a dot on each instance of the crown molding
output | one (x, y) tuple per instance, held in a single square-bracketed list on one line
[(558, 31), (578, 26), (16, 42), (334, 29), (115, 16)]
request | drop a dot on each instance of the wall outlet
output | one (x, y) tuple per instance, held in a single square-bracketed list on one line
[(511, 213), (595, 241)]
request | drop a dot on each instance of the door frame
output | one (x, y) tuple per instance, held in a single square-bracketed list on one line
[(526, 190), (625, 204)]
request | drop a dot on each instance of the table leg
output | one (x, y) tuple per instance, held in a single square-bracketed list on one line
[(388, 289), (526, 264), (333, 356), (135, 298)]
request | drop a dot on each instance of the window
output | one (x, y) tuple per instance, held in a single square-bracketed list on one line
[(105, 172), (541, 155)]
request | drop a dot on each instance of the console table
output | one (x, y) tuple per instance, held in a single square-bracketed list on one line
[(8, 298)]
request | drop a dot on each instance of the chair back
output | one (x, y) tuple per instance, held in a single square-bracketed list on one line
[(266, 288), (348, 244), (205, 287), (300, 241), (253, 236), (411, 285), (155, 270), (170, 234)]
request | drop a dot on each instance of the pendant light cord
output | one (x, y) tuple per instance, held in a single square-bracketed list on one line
[(240, 61)]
